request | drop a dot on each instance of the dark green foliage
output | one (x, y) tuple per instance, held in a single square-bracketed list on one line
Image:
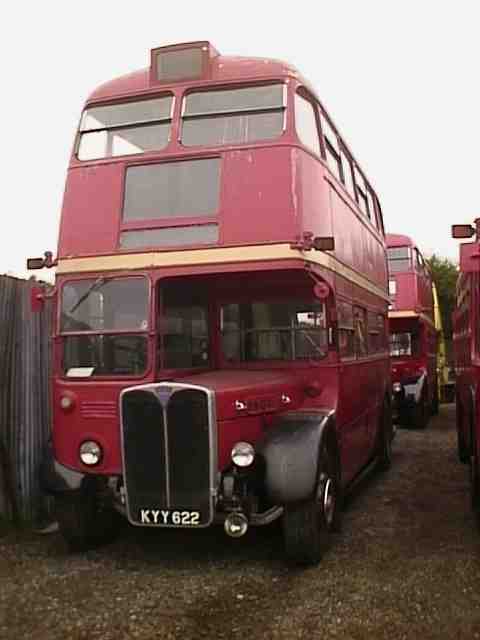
[(445, 273)]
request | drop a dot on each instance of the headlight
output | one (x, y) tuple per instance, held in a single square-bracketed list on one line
[(243, 454), (90, 453), (397, 387)]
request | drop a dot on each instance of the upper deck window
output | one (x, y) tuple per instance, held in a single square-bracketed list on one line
[(233, 116), (306, 123), (125, 129), (399, 259), (404, 344)]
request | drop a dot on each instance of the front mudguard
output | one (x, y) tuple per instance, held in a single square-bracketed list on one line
[(415, 390), (290, 452)]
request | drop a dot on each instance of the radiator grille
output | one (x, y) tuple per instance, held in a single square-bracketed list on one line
[(169, 450)]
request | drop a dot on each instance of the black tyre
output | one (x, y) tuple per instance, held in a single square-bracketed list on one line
[(434, 408), (385, 438), (82, 523), (462, 450), (474, 477), (420, 412), (308, 526)]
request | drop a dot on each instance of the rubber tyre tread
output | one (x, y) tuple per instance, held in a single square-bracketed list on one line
[(82, 525), (306, 533), (384, 450), (435, 406), (462, 450), (474, 479), (420, 413)]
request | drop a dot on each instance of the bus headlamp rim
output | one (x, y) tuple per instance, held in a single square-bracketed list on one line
[(90, 453), (243, 454)]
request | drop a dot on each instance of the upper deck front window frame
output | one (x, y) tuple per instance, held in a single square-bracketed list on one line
[(129, 124), (232, 112)]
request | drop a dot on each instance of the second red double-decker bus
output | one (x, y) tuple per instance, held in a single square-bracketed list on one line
[(413, 335), (220, 350)]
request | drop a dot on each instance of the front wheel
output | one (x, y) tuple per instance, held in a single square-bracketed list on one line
[(308, 526), (83, 523)]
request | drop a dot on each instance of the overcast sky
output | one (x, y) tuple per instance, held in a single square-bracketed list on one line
[(401, 80)]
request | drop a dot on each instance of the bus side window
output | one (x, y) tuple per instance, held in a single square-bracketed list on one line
[(361, 192), (332, 148), (360, 325), (374, 335), (346, 342), (371, 207), (347, 176), (306, 123), (419, 263)]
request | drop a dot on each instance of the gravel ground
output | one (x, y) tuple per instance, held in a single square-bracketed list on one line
[(406, 565)]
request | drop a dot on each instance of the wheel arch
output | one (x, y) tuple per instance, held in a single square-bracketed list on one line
[(291, 451)]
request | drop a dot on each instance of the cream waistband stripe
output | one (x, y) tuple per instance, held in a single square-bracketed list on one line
[(253, 253)]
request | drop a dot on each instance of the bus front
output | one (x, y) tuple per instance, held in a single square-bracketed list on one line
[(413, 337), (195, 347)]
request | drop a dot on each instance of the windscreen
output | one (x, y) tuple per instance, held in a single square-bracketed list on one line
[(102, 322), (102, 304), (273, 331)]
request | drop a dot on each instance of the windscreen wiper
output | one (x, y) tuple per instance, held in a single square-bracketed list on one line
[(98, 283)]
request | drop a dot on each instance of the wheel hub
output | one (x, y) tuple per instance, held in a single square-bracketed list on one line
[(328, 500)]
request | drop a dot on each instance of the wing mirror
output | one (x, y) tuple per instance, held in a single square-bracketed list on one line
[(462, 231), (39, 263)]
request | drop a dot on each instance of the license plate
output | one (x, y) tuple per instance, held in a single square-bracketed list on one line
[(169, 517)]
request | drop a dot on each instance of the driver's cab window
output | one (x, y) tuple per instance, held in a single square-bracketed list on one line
[(256, 331)]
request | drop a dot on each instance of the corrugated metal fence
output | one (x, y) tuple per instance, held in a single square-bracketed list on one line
[(24, 400)]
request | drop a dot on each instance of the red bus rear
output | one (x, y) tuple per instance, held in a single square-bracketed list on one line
[(220, 352), (413, 336)]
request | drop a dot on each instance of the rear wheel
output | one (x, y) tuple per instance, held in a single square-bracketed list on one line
[(385, 438), (308, 526), (420, 412), (435, 401), (83, 523), (474, 477), (461, 446)]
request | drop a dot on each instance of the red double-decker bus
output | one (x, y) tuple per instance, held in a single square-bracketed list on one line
[(220, 350), (466, 346), (413, 335)]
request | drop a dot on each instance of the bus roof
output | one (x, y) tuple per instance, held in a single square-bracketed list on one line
[(220, 69), (397, 240)]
